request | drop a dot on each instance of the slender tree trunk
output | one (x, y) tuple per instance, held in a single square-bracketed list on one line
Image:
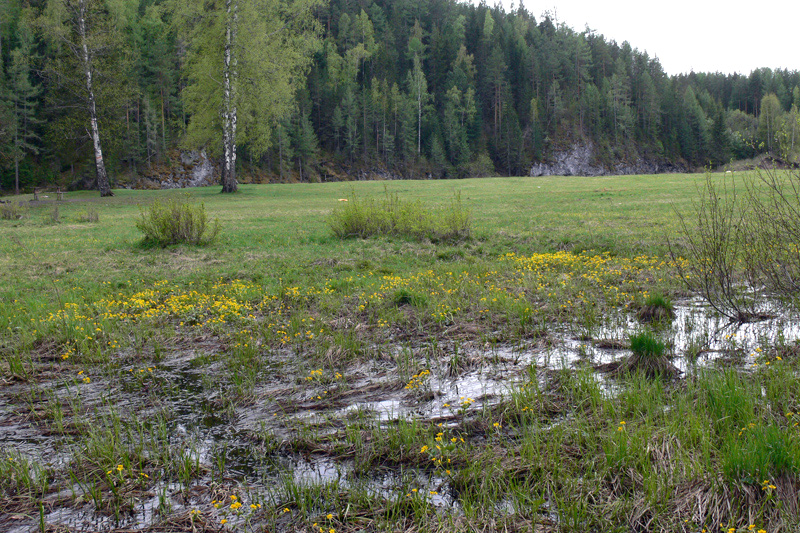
[(229, 96), (16, 147), (280, 152), (102, 175), (163, 123), (419, 120)]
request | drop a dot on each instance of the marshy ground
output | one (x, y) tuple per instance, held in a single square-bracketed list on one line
[(282, 379)]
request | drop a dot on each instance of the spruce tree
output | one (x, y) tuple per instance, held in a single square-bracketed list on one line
[(22, 101)]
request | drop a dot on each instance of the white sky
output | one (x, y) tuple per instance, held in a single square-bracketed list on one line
[(701, 35)]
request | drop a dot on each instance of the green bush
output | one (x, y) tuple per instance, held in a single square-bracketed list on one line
[(10, 211), (177, 222), (361, 217)]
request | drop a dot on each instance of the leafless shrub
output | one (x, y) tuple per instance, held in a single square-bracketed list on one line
[(719, 253), (773, 225)]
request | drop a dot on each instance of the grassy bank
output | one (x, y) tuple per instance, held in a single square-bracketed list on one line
[(281, 378)]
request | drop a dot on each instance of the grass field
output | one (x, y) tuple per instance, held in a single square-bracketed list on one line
[(283, 379)]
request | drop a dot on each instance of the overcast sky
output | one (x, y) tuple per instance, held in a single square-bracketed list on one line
[(700, 35)]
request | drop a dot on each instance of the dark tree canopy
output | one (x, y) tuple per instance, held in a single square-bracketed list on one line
[(416, 89)]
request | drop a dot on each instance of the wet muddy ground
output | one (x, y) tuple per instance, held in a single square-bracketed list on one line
[(185, 439)]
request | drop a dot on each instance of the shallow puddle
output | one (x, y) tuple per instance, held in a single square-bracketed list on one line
[(245, 446)]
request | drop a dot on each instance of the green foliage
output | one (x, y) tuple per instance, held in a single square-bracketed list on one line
[(646, 345), (21, 477), (275, 42), (366, 217), (176, 222), (656, 308), (761, 452), (435, 90), (10, 211), (628, 458), (408, 297), (648, 357)]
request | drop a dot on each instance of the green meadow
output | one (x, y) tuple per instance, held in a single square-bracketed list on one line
[(281, 378)]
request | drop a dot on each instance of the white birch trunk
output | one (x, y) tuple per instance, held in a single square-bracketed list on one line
[(102, 175), (229, 103)]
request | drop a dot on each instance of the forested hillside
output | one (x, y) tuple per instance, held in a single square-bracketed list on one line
[(353, 88)]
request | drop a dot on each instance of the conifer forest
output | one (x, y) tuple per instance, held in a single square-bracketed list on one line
[(99, 93)]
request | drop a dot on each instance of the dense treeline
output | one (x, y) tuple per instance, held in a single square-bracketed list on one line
[(408, 87)]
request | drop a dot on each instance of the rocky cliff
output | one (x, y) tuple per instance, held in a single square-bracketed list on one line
[(579, 161), (193, 169)]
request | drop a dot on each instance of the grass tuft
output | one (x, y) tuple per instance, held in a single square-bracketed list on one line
[(90, 215), (10, 211), (367, 217), (407, 297), (656, 308), (648, 357), (177, 222)]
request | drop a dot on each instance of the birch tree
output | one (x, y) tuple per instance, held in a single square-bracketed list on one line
[(84, 29), (417, 83), (245, 59)]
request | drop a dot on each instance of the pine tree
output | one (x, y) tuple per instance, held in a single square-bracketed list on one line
[(304, 141)]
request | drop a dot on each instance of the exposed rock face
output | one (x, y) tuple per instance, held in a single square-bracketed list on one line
[(194, 170), (577, 161)]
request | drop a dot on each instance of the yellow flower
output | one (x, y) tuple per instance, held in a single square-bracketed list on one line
[(236, 505), (120, 468), (424, 449), (329, 517), (223, 521)]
